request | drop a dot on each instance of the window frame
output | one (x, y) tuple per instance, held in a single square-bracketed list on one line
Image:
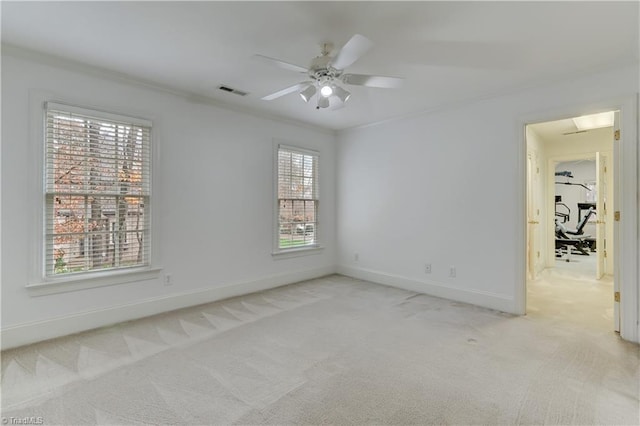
[(38, 281), (295, 251)]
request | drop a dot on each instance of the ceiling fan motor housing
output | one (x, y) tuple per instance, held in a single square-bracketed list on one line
[(321, 71)]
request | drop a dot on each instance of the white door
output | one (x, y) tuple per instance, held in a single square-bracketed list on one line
[(533, 215), (601, 188)]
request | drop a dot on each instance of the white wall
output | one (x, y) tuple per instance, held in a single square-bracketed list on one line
[(213, 188), (446, 187), (580, 143)]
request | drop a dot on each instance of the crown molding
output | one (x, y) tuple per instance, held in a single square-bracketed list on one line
[(123, 78), (510, 91)]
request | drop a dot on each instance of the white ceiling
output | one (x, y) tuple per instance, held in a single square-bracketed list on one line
[(448, 52), (554, 130), (564, 130)]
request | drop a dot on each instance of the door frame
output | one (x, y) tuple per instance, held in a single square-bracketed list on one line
[(533, 218), (626, 191)]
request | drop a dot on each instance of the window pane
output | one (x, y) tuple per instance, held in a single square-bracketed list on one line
[(284, 162), (132, 248), (91, 155), (308, 166), (68, 214), (298, 211), (297, 187), (308, 188), (64, 253), (310, 211), (284, 186), (296, 164), (286, 216)]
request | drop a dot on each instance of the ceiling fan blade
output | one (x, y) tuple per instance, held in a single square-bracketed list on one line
[(281, 64), (372, 81), (286, 91), (357, 46)]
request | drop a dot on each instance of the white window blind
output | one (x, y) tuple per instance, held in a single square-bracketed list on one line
[(297, 197), (97, 189)]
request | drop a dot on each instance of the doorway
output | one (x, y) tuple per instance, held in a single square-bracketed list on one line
[(570, 260)]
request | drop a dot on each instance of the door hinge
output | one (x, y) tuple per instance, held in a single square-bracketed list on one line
[(605, 169), (616, 135), (605, 253), (616, 216), (538, 255), (616, 296)]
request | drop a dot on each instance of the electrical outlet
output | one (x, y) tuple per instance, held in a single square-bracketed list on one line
[(168, 279), (427, 268), (452, 271), (356, 257)]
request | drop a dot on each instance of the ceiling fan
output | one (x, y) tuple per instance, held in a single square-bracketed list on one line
[(326, 71)]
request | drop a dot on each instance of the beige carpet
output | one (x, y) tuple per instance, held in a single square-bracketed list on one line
[(570, 294), (329, 351)]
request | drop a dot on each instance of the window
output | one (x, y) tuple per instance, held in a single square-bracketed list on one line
[(297, 198), (97, 189)]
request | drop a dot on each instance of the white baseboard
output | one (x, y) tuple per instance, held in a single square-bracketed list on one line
[(27, 333), (475, 297)]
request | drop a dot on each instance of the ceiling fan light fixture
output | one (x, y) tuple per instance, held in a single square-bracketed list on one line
[(308, 93), (341, 93), (326, 90), (323, 102)]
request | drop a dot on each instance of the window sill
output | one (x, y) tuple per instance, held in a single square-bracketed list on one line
[(296, 252), (92, 280)]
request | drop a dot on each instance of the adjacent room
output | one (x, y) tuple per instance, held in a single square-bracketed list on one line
[(319, 213), (571, 244)]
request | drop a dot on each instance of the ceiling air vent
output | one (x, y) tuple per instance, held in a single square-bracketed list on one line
[(232, 90)]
